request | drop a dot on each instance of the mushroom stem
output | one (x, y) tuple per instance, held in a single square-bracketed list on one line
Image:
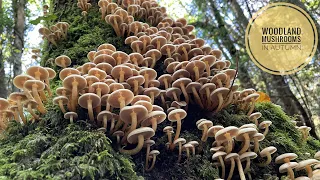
[(231, 169), (197, 97), (16, 115), (137, 149), (196, 73), (163, 101), (74, 96), (180, 149), (204, 133), (208, 97), (62, 107), (112, 124), (222, 167), (135, 87), (169, 137), (207, 68), (251, 108), (246, 143), (121, 78), (20, 109), (290, 173), (247, 168), (32, 112), (153, 163), (309, 171), (242, 176), (116, 27), (229, 143), (220, 98), (177, 116), (105, 123), (146, 83), (90, 110), (175, 97), (42, 95), (256, 145), (47, 81), (184, 91), (266, 130), (36, 96), (185, 53), (188, 153)]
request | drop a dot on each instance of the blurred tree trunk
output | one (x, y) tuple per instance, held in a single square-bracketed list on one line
[(3, 84), (18, 33), (290, 102)]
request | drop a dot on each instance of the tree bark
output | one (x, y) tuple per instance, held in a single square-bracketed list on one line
[(18, 33), (3, 83)]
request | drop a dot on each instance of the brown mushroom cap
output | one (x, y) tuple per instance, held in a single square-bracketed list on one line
[(120, 57), (102, 86), (268, 150), (180, 73), (116, 71), (67, 82), (146, 104), (146, 132), (251, 155), (39, 85), (263, 124), (63, 61), (212, 130), (282, 157), (104, 58), (19, 80), (4, 104), (250, 131), (64, 100), (83, 100), (69, 114), (158, 116), (66, 72), (52, 73), (220, 134), (204, 123), (140, 111), (140, 97), (172, 115), (284, 167), (107, 46), (38, 72), (125, 94)]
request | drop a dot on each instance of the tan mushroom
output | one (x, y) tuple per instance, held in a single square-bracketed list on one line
[(180, 142), (71, 116), (227, 134), (89, 101), (266, 152)]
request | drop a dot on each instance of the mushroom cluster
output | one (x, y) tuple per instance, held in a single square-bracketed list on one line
[(33, 86), (35, 53), (45, 9), (84, 5), (288, 165), (56, 32)]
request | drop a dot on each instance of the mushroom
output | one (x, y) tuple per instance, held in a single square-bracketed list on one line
[(61, 100), (265, 125), (205, 90), (35, 86), (247, 156), (31, 104), (121, 72), (193, 88), (256, 139), (104, 117), (306, 164), (231, 157), (218, 96), (245, 135), (254, 117), (135, 82), (75, 83), (52, 74), (118, 134), (251, 99), (154, 118), (120, 98), (173, 93), (19, 81), (187, 148), (71, 115), (204, 125), (63, 61), (266, 152), (176, 116), (169, 131), (19, 98), (305, 132), (152, 92), (227, 134), (196, 68), (148, 74), (153, 154), (287, 167), (219, 156), (179, 141), (89, 101), (14, 109), (148, 143), (182, 83), (138, 136)]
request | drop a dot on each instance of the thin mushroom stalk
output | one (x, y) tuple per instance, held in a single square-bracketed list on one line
[(36, 117), (204, 133), (74, 96), (112, 124), (220, 98), (266, 130), (180, 151), (247, 168), (229, 143), (20, 109), (36, 96), (185, 94), (246, 144), (90, 110), (223, 168), (240, 169), (264, 164), (152, 165), (137, 149), (231, 169), (43, 95), (62, 107), (197, 97), (16, 115), (105, 123)]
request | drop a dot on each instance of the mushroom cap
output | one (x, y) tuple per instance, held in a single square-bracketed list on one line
[(180, 73), (62, 58), (216, 155), (44, 74), (164, 77), (154, 153), (146, 104), (317, 155), (290, 156), (157, 108), (91, 55), (222, 90), (264, 123), (182, 81), (154, 90), (153, 52), (19, 80), (139, 78), (4, 104), (115, 86), (304, 163), (140, 97), (166, 47), (192, 85), (178, 104), (204, 123), (82, 82), (167, 128), (64, 100), (187, 146), (284, 167), (302, 178), (250, 131), (304, 128), (172, 115), (114, 97), (33, 103), (193, 64), (255, 115), (38, 84), (258, 137), (108, 114), (103, 86), (104, 56), (15, 96), (106, 46), (69, 114), (149, 142), (220, 135), (60, 90), (146, 132), (136, 57), (119, 55), (250, 125), (245, 155), (118, 133), (217, 148), (212, 130), (67, 72), (151, 73), (172, 90), (140, 111), (52, 73), (179, 140), (87, 66), (158, 116), (83, 100), (100, 74), (204, 87), (268, 150), (251, 98), (230, 156), (116, 71), (194, 143)]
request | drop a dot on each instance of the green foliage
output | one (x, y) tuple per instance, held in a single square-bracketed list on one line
[(38, 20)]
